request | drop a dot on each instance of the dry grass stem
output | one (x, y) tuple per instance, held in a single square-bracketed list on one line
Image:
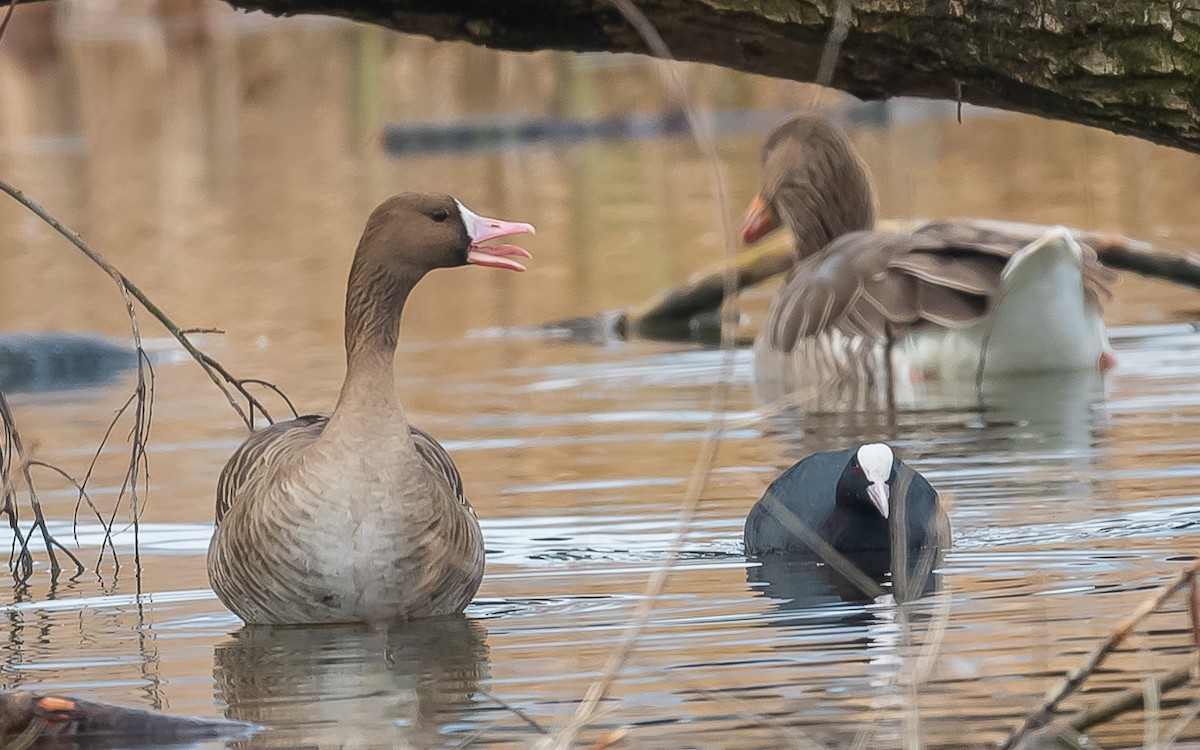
[(1075, 679), (21, 561), (519, 713), (1152, 710), (1183, 722), (705, 140), (611, 738), (832, 557), (1194, 615)]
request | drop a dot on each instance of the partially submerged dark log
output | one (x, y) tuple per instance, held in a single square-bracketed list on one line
[(1129, 66), (1181, 269), (664, 315), (28, 718)]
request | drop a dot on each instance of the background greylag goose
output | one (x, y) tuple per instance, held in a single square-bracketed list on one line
[(360, 516), (957, 300)]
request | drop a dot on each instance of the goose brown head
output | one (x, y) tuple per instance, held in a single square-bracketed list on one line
[(407, 236), (413, 233), (813, 182)]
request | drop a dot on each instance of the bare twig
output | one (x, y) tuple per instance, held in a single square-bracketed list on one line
[(81, 489), (1129, 700), (698, 480), (107, 541), (137, 474), (519, 713), (15, 448), (215, 371), (190, 331), (822, 548), (1181, 724), (274, 389), (1074, 679)]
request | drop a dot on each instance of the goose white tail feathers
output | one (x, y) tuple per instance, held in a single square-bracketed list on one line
[(1042, 320)]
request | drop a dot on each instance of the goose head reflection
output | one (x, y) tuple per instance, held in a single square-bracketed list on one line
[(335, 686)]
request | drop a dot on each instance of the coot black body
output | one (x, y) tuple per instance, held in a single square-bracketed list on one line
[(850, 499)]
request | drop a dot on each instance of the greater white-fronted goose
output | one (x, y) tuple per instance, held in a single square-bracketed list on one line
[(359, 516), (846, 499), (960, 300)]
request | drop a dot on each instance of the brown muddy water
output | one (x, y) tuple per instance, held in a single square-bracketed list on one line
[(226, 164)]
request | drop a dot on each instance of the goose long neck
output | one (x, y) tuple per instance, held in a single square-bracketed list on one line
[(832, 194), (375, 298)]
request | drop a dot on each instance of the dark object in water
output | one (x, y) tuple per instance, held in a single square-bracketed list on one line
[(507, 132), (61, 361), (33, 719), (854, 500)]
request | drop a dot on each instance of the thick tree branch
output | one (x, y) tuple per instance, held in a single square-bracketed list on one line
[(1122, 65)]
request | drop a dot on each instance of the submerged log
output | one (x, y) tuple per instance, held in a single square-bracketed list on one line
[(1129, 66), (28, 718)]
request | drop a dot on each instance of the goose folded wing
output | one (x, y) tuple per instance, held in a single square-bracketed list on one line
[(436, 457), (262, 455), (1007, 237), (867, 283)]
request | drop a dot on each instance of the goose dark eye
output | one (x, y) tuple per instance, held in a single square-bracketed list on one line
[(439, 214)]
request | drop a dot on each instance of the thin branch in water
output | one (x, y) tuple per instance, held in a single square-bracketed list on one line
[(83, 495), (1075, 679), (20, 562), (215, 371), (107, 541), (519, 713), (135, 484), (16, 448)]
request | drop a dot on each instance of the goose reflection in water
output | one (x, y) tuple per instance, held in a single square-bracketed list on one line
[(340, 686)]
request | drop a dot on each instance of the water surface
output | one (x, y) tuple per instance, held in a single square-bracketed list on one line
[(253, 161)]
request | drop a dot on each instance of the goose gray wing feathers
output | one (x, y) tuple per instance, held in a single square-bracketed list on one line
[(264, 449), (439, 460), (269, 447), (867, 283)]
